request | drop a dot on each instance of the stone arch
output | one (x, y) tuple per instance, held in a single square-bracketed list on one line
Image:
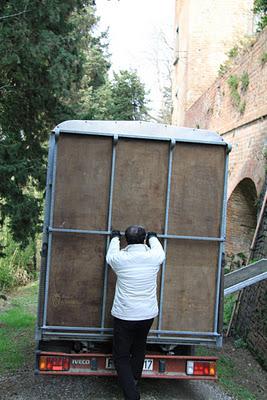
[(241, 219)]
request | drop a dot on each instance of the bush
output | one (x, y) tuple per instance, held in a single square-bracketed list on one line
[(17, 265), (260, 9)]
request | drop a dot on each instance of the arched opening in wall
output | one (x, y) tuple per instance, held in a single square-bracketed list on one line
[(241, 222)]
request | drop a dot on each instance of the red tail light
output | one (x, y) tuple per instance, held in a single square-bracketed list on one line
[(201, 368), (54, 363)]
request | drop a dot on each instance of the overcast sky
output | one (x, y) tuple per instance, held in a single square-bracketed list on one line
[(134, 30)]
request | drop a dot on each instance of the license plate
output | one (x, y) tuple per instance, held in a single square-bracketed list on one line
[(148, 364)]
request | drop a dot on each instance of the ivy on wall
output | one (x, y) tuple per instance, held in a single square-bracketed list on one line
[(238, 87)]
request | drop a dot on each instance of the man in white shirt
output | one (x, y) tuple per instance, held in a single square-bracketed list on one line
[(135, 302)]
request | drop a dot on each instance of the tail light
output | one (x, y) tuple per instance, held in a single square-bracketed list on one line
[(54, 363), (201, 368)]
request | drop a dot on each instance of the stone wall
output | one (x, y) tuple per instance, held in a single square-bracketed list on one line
[(241, 220), (251, 320), (247, 130), (244, 125), (205, 31)]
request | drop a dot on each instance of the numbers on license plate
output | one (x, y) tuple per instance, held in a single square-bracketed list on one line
[(109, 363), (148, 364)]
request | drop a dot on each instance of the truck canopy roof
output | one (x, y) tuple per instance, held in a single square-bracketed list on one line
[(142, 130)]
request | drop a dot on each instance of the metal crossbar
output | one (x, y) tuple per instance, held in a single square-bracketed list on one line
[(156, 331), (162, 236)]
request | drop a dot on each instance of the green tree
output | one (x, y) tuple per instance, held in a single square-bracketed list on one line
[(260, 8), (122, 98), (128, 96), (45, 47)]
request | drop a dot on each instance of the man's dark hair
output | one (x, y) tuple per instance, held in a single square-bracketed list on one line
[(135, 234)]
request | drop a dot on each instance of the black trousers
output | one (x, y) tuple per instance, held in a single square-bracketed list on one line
[(129, 345)]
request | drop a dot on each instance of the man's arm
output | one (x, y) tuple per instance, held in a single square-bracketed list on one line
[(114, 248), (156, 247)]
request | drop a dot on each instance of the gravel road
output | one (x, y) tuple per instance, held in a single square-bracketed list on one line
[(25, 386)]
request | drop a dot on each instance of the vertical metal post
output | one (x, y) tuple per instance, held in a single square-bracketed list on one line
[(51, 217), (171, 149), (111, 190), (45, 232), (221, 245)]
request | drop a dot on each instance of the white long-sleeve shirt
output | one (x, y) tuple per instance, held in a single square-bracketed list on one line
[(136, 268)]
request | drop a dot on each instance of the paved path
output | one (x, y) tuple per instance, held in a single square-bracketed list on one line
[(25, 386)]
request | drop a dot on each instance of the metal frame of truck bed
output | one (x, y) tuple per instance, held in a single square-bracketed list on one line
[(117, 130)]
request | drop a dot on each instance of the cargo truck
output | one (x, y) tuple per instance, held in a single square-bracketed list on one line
[(105, 175)]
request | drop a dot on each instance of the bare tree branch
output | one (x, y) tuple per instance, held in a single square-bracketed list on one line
[(5, 86), (18, 13), (14, 15), (154, 118)]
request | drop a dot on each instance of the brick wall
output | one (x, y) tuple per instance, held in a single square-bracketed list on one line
[(241, 218), (251, 320), (247, 131), (208, 29)]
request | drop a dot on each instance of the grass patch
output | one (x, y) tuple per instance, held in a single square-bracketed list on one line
[(17, 324), (263, 59), (229, 302), (235, 92), (227, 373)]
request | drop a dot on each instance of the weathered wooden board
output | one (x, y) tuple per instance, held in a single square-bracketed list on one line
[(75, 284), (140, 186), (139, 192), (82, 182), (81, 202), (197, 190), (190, 280)]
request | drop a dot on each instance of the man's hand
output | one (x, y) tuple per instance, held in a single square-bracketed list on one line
[(115, 234), (148, 236)]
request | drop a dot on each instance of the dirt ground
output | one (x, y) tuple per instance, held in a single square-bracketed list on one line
[(249, 373), (23, 385)]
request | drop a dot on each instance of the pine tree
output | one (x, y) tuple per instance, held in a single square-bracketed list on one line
[(44, 50), (121, 98)]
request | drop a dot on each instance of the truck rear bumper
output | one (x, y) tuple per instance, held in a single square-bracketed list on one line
[(100, 364)]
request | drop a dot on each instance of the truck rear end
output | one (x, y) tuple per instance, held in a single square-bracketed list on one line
[(106, 174)]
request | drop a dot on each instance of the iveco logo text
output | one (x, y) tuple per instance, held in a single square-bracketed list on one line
[(81, 362)]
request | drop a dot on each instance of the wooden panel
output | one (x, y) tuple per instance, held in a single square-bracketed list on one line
[(82, 182), (190, 282), (139, 193), (140, 184), (197, 190), (76, 280), (81, 202)]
